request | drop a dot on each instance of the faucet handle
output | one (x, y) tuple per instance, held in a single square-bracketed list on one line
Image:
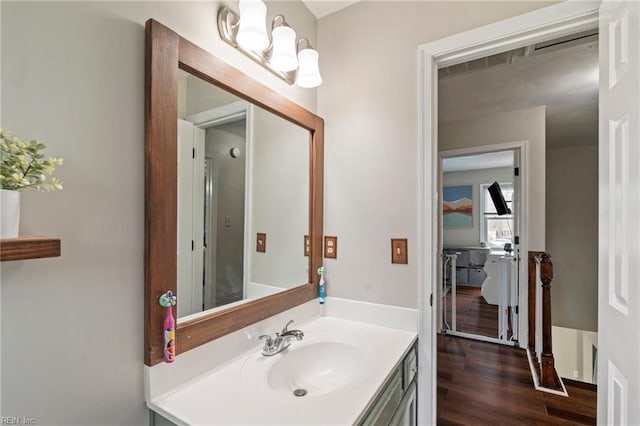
[(269, 339), (286, 327)]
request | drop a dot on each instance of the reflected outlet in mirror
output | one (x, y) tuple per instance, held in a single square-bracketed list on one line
[(242, 171)]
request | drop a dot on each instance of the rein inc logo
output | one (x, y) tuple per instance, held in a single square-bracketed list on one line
[(17, 420)]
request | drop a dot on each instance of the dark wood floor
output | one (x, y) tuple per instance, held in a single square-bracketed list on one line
[(474, 314), (483, 383)]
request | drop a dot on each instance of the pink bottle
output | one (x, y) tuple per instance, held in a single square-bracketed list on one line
[(169, 327)]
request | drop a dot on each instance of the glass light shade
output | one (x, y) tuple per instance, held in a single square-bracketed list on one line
[(252, 34), (308, 72), (283, 56)]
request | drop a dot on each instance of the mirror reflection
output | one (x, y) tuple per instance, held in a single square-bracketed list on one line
[(243, 200)]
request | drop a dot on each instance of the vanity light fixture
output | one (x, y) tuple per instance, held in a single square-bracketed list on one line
[(308, 72), (252, 31), (283, 54), (294, 62)]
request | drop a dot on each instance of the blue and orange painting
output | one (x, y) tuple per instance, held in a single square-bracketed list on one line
[(457, 206)]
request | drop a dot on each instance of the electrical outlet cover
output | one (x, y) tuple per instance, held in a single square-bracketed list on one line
[(399, 251), (331, 247), (261, 243)]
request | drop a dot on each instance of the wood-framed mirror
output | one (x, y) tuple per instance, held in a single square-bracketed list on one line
[(168, 57)]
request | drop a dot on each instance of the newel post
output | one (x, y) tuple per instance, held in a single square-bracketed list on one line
[(548, 374)]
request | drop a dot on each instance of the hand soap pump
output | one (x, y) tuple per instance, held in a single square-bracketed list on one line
[(322, 292)]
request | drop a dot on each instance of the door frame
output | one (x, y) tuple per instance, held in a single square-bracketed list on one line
[(211, 219), (551, 22), (521, 204), (235, 111)]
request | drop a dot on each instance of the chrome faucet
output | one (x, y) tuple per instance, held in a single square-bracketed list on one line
[(274, 345)]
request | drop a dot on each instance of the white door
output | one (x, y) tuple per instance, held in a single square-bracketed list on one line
[(619, 233), (190, 188)]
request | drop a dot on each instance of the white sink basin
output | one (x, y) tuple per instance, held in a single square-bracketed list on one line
[(317, 367)]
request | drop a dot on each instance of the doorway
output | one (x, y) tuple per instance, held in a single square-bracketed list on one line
[(485, 111), (479, 242), (213, 164), (555, 21), (224, 207)]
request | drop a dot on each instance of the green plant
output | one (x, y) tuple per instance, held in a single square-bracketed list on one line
[(23, 166)]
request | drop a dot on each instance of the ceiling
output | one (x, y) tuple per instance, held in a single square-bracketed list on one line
[(489, 160), (562, 76), (322, 8)]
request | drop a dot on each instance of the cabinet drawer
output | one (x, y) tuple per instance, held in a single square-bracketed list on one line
[(462, 258), (462, 275), (409, 368), (387, 403), (477, 275)]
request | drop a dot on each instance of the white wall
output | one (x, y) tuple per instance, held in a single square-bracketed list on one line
[(573, 353), (279, 200), (470, 237), (572, 235), (369, 100), (511, 126), (73, 76)]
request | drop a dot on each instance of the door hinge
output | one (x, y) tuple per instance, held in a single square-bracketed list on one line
[(193, 153), (431, 299), (516, 171), (516, 240), (517, 309), (193, 245)]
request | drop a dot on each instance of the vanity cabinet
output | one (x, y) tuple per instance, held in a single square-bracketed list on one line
[(396, 403), (156, 419)]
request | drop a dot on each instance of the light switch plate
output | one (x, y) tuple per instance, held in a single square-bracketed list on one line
[(399, 251), (331, 247), (307, 246), (261, 243)]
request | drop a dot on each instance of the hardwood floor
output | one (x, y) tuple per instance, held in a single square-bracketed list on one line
[(474, 315), (483, 383)]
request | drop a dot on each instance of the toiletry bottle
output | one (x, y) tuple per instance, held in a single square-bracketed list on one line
[(169, 327), (321, 286)]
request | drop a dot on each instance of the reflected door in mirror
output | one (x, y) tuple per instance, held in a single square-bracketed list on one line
[(242, 171)]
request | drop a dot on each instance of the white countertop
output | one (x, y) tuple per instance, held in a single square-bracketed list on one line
[(223, 392)]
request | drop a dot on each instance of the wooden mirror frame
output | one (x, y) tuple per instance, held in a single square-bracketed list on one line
[(165, 53)]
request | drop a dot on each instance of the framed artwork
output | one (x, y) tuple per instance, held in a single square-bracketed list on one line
[(457, 206)]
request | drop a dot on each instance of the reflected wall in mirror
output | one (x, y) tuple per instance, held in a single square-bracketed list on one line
[(274, 175), (241, 171)]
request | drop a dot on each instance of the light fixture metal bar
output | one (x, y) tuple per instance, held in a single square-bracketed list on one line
[(228, 28)]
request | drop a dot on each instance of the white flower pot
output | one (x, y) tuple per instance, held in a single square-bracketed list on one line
[(10, 213)]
